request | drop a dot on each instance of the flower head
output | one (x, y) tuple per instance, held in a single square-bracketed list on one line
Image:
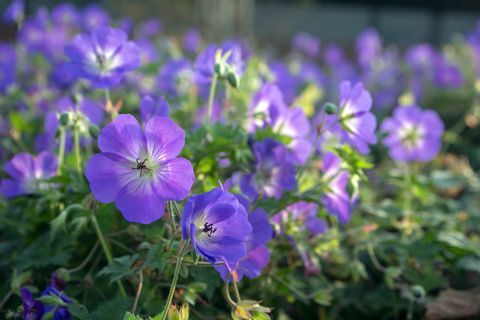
[(413, 134), (355, 124), (150, 108), (274, 171), (28, 173), (32, 309), (103, 57), (139, 169), (257, 255), (307, 44), (175, 77), (217, 224), (336, 199)]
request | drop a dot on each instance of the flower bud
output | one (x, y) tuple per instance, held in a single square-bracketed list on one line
[(232, 79), (64, 119), (330, 108), (93, 131)]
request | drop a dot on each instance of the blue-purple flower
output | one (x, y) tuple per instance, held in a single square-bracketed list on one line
[(175, 77), (307, 44), (217, 224), (413, 134), (139, 169), (150, 108), (257, 255), (28, 174), (355, 124), (103, 57), (274, 172), (268, 110), (336, 199)]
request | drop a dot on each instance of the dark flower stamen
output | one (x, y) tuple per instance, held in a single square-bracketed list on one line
[(208, 228), (141, 166)]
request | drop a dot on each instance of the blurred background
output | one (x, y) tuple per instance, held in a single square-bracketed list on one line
[(401, 22)]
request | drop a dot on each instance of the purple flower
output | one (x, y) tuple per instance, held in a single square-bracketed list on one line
[(15, 11), (257, 255), (8, 62), (355, 124), (274, 171), (103, 57), (307, 44), (369, 47), (446, 74), (217, 224), (413, 134), (297, 221), (88, 110), (139, 169), (303, 214), (191, 41), (95, 17), (421, 58), (150, 29), (336, 199), (150, 108), (204, 65), (27, 174), (175, 78), (32, 309), (66, 15), (288, 83), (269, 110), (148, 52)]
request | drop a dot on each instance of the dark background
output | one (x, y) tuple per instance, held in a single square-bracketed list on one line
[(402, 22)]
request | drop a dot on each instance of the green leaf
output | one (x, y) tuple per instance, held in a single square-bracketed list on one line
[(129, 316), (469, 263), (120, 268)]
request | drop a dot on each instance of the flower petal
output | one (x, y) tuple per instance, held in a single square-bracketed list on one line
[(174, 179), (123, 137), (164, 138)]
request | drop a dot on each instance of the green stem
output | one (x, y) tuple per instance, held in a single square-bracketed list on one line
[(106, 250), (76, 141), (407, 193), (211, 96), (227, 291), (61, 150), (237, 292), (172, 217), (181, 250)]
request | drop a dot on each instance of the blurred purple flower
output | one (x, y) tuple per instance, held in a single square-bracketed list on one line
[(191, 41), (175, 77), (257, 255), (336, 199), (217, 224), (95, 17), (8, 64), (355, 124), (274, 171), (139, 169), (269, 110), (369, 47), (307, 44), (14, 12), (66, 15), (413, 134), (446, 74), (150, 108), (27, 174), (103, 57), (32, 309)]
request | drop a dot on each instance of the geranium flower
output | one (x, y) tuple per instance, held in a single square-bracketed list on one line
[(354, 123), (413, 134), (268, 110), (103, 57), (274, 171), (139, 169), (307, 44), (175, 78), (28, 173), (150, 108), (217, 224), (257, 255), (336, 199)]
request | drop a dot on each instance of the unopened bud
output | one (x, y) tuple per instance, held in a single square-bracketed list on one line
[(330, 108)]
